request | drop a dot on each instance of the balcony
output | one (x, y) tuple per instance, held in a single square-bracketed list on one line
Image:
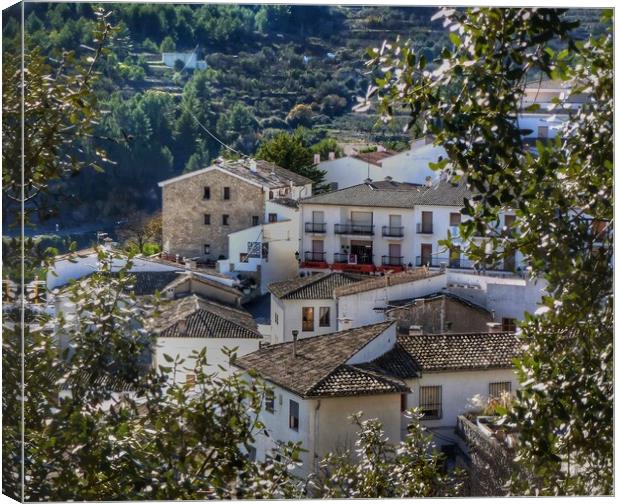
[(354, 263), (393, 231), (422, 228), (316, 227), (314, 260), (391, 261), (355, 229)]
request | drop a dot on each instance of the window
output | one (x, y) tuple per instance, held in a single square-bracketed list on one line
[(430, 402), (225, 220), (455, 219), (251, 453), (543, 131), (254, 249), (207, 249), (496, 389), (275, 318), (270, 194), (273, 217), (324, 316), (226, 193), (509, 221), (206, 193), (190, 379), (293, 415), (270, 400), (509, 325), (207, 219), (307, 319), (254, 220)]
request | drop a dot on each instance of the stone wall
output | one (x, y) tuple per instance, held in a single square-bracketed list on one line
[(440, 315), (184, 229)]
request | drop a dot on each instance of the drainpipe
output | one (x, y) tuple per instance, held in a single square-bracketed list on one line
[(316, 434)]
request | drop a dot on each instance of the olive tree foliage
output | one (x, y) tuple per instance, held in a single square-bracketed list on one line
[(379, 468), (59, 115), (562, 194), (102, 424)]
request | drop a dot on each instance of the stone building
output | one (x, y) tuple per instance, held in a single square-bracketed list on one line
[(201, 208)]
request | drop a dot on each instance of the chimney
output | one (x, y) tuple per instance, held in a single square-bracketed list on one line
[(253, 165), (331, 156), (182, 325), (415, 330), (494, 327), (295, 333), (317, 158), (388, 179)]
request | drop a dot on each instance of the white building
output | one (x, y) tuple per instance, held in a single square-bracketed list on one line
[(408, 166), (306, 304), (389, 226), (189, 59), (191, 324), (319, 382), (267, 249)]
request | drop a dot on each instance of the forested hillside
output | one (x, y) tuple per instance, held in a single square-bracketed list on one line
[(270, 69)]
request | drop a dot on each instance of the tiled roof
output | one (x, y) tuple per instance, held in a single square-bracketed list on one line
[(374, 158), (395, 195), (380, 282), (437, 296), (319, 286), (202, 319), (185, 277), (320, 365), (354, 380), (437, 352), (396, 362), (147, 282)]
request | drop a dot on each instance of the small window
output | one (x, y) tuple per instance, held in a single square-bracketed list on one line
[(430, 402), (509, 325), (293, 416), (496, 389), (324, 316), (270, 194), (207, 219), (206, 193), (251, 453), (190, 379), (455, 219), (225, 220), (307, 319), (207, 249), (254, 220), (509, 221), (543, 131), (270, 401), (273, 217), (275, 318), (226, 193)]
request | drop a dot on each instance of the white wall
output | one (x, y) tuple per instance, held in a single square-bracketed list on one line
[(533, 121), (358, 309), (458, 389), (377, 347), (189, 58), (289, 315), (185, 346), (345, 171)]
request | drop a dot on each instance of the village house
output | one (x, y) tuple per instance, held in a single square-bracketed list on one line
[(390, 226), (307, 304), (319, 382), (192, 323), (190, 60), (200, 209)]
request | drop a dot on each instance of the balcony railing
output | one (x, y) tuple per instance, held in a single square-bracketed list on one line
[(421, 228), (454, 262), (391, 261), (393, 231), (316, 227), (314, 256), (352, 259), (355, 229)]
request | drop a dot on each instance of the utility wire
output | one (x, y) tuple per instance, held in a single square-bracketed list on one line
[(186, 108)]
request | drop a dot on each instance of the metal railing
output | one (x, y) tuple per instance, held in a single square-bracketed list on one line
[(391, 260), (393, 231), (340, 258), (354, 229), (314, 256), (316, 227), (460, 263)]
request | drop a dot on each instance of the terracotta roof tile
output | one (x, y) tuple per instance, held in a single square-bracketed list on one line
[(319, 286), (380, 282), (374, 157)]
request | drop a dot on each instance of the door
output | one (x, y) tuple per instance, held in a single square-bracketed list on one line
[(317, 250), (455, 257), (318, 217), (394, 258), (362, 250), (361, 222), (426, 252), (510, 260)]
